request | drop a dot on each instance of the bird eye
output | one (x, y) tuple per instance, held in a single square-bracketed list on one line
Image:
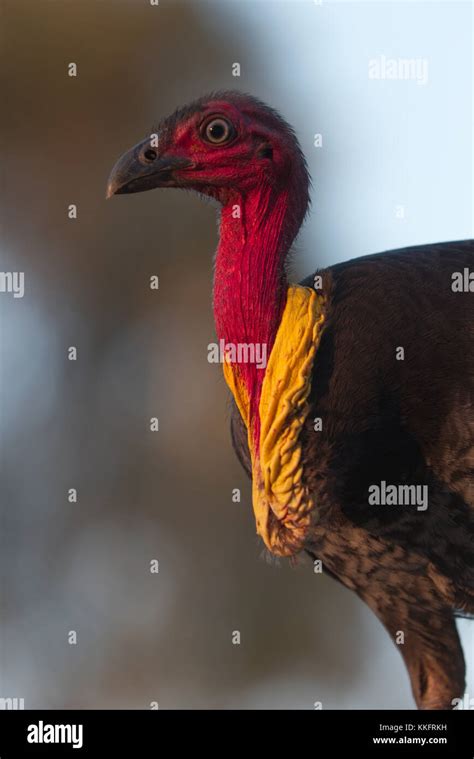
[(218, 131), (150, 155)]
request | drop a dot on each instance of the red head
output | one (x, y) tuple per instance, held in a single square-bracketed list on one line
[(222, 145)]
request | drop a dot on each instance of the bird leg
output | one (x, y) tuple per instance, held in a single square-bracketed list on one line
[(429, 643), (399, 587)]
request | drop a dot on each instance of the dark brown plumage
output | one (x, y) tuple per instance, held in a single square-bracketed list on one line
[(402, 422)]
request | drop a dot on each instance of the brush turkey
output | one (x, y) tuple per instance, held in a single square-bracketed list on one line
[(358, 431)]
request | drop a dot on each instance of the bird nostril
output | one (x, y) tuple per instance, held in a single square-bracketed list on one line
[(150, 155)]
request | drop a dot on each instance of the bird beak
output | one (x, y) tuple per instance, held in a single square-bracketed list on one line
[(133, 173)]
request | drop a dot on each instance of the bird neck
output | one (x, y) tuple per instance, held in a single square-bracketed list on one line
[(250, 285)]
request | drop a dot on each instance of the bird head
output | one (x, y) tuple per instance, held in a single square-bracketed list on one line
[(222, 144)]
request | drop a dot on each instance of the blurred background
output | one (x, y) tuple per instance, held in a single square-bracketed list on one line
[(394, 169)]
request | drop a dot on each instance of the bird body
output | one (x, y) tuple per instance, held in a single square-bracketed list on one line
[(399, 422), (358, 432)]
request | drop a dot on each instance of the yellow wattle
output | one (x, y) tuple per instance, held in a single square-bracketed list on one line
[(282, 503)]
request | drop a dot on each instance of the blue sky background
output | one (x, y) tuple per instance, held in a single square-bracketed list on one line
[(385, 143)]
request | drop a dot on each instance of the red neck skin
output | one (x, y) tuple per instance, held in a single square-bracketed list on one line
[(250, 286)]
